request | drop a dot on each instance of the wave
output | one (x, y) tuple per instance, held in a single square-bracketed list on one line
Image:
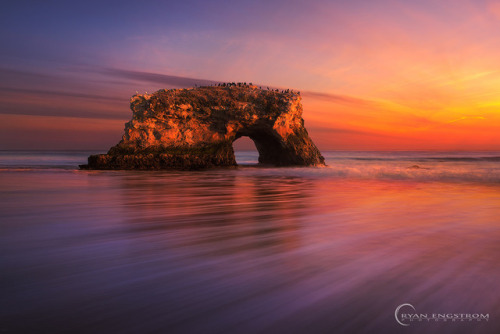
[(483, 167), (384, 172), (423, 159), (18, 168)]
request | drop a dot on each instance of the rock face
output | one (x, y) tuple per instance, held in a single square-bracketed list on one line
[(195, 128)]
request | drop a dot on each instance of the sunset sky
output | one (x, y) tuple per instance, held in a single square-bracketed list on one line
[(374, 74)]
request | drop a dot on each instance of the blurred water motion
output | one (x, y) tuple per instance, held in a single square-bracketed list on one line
[(244, 251)]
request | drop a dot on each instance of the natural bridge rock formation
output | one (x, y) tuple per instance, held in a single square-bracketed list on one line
[(195, 128)]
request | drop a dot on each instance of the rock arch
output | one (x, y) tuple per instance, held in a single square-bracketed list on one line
[(268, 146), (195, 128)]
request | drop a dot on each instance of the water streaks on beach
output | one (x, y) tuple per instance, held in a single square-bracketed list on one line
[(247, 250)]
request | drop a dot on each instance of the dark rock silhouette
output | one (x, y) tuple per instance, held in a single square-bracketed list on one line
[(195, 128)]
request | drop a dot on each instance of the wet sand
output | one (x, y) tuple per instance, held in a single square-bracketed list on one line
[(244, 251)]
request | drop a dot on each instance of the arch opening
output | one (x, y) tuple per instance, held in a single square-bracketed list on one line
[(245, 151), (270, 150)]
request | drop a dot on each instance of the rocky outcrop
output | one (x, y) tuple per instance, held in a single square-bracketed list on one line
[(195, 128)]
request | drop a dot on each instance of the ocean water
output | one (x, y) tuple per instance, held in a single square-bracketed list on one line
[(337, 249)]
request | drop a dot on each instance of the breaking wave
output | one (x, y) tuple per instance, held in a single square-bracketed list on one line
[(481, 167), (419, 166)]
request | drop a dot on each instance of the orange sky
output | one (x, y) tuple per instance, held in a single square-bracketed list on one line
[(378, 75)]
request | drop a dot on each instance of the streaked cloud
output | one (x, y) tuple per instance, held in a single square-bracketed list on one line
[(382, 72), (56, 94), (337, 98), (157, 78)]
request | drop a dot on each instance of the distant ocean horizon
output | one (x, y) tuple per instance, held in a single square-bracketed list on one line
[(479, 166), (353, 247)]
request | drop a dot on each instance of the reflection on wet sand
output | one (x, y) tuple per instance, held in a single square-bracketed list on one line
[(243, 212), (238, 251)]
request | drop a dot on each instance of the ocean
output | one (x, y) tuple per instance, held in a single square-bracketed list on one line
[(376, 242)]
